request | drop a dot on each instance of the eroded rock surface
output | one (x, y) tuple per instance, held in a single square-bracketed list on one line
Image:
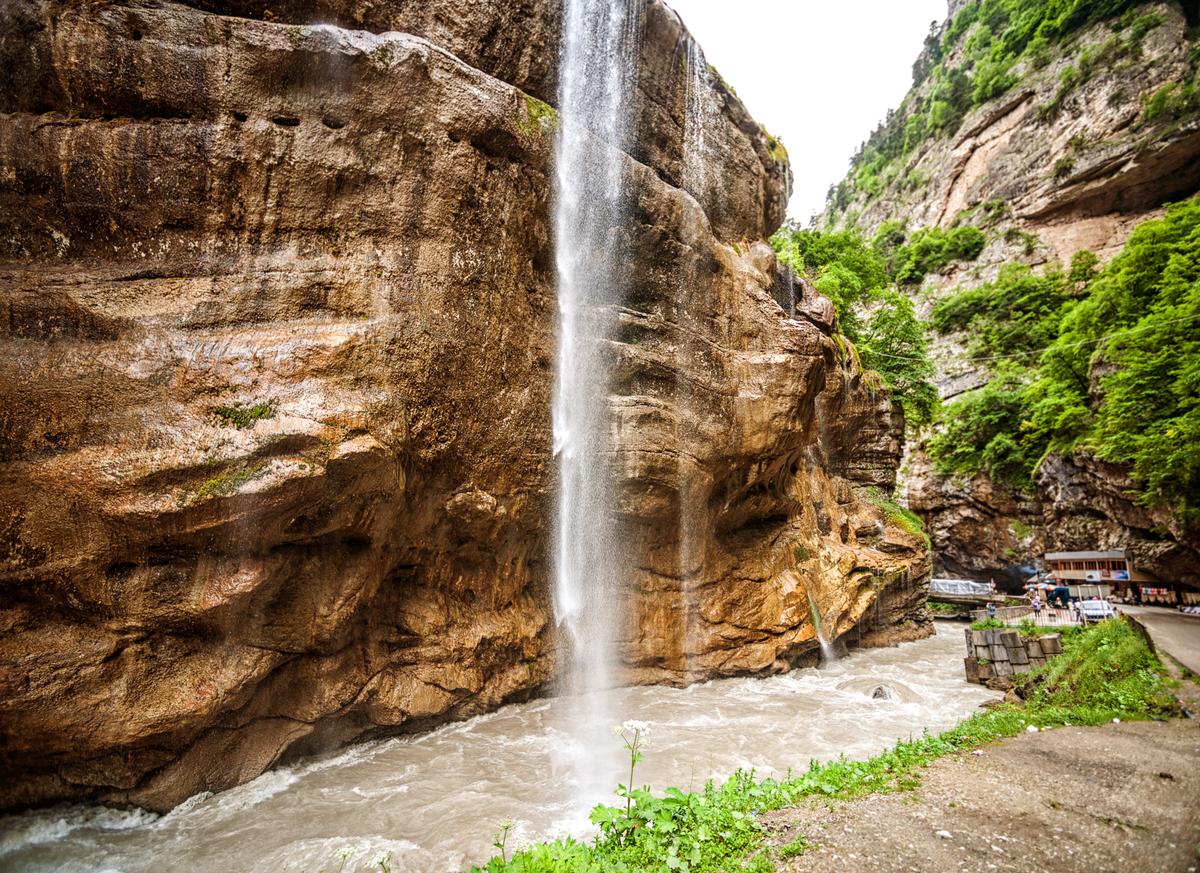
[(277, 305), (1046, 171)]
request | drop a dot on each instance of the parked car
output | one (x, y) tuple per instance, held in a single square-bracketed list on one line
[(1095, 610)]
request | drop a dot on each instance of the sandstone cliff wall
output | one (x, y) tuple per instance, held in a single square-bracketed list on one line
[(204, 213)]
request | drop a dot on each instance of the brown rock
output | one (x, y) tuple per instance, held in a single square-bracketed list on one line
[(349, 233)]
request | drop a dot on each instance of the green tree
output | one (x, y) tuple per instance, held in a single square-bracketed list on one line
[(894, 344), (879, 321)]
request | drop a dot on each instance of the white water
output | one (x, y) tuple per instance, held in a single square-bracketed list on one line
[(599, 41), (693, 489), (433, 801)]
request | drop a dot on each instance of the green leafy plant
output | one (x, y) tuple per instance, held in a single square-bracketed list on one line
[(795, 848), (241, 416), (500, 841)]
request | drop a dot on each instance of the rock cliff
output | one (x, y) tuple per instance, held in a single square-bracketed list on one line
[(1071, 158), (277, 299)]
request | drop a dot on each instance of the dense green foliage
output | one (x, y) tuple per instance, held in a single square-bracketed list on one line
[(1107, 362), (880, 321), (981, 431), (931, 248), (1105, 672), (999, 39)]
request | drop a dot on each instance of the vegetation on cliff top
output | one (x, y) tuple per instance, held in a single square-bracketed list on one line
[(981, 54), (1104, 673), (1106, 362)]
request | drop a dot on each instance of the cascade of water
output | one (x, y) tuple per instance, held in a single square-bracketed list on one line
[(828, 654), (688, 357), (597, 60)]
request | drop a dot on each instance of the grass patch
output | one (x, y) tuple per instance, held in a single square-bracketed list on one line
[(242, 416), (540, 117), (1105, 672), (897, 515), (229, 481), (795, 848)]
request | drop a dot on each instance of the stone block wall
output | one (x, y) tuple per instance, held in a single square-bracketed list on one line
[(995, 653)]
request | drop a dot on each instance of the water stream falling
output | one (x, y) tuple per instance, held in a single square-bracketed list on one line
[(597, 64), (431, 803), (828, 653), (689, 354)]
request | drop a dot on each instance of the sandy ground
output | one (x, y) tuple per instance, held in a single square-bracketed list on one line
[(1120, 797)]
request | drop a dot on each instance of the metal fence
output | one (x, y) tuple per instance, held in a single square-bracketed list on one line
[(1049, 616)]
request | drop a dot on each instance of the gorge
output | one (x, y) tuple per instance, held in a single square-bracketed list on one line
[(339, 403), (1052, 148)]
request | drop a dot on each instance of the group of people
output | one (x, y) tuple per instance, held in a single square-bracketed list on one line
[(1059, 598)]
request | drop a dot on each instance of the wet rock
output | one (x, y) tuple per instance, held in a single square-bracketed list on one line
[(275, 462)]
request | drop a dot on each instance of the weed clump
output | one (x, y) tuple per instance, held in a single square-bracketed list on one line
[(242, 416)]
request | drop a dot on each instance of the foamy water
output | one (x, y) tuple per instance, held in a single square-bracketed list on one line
[(432, 803)]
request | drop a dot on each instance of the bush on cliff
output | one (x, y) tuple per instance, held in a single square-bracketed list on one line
[(996, 36), (1104, 673), (880, 322), (1108, 363)]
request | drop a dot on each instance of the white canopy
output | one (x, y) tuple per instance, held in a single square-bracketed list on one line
[(958, 586)]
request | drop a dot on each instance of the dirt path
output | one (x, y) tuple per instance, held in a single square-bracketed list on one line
[(1121, 797)]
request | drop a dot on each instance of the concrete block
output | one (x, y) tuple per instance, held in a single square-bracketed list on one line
[(983, 652), (1033, 647), (1018, 655), (986, 672), (999, 653), (1003, 668), (1052, 644), (978, 638), (1010, 639), (971, 666)]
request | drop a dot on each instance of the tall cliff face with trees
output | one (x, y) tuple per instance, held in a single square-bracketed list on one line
[(1020, 195)]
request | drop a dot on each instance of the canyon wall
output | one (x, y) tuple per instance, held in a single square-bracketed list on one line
[(277, 305), (1047, 169)]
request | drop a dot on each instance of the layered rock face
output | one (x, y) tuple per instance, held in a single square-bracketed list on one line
[(1048, 171), (979, 529), (278, 315), (1078, 176)]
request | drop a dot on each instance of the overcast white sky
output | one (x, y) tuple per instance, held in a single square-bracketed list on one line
[(819, 74)]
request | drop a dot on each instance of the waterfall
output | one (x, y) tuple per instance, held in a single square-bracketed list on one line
[(828, 653), (689, 356), (598, 60)]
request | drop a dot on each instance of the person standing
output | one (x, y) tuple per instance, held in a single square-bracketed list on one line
[(1036, 603)]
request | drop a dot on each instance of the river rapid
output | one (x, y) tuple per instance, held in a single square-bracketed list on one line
[(431, 803)]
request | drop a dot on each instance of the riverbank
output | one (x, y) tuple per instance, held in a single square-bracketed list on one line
[(1113, 797), (432, 802), (1106, 673)]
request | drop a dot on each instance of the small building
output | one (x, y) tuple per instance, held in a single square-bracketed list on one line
[(1109, 569)]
